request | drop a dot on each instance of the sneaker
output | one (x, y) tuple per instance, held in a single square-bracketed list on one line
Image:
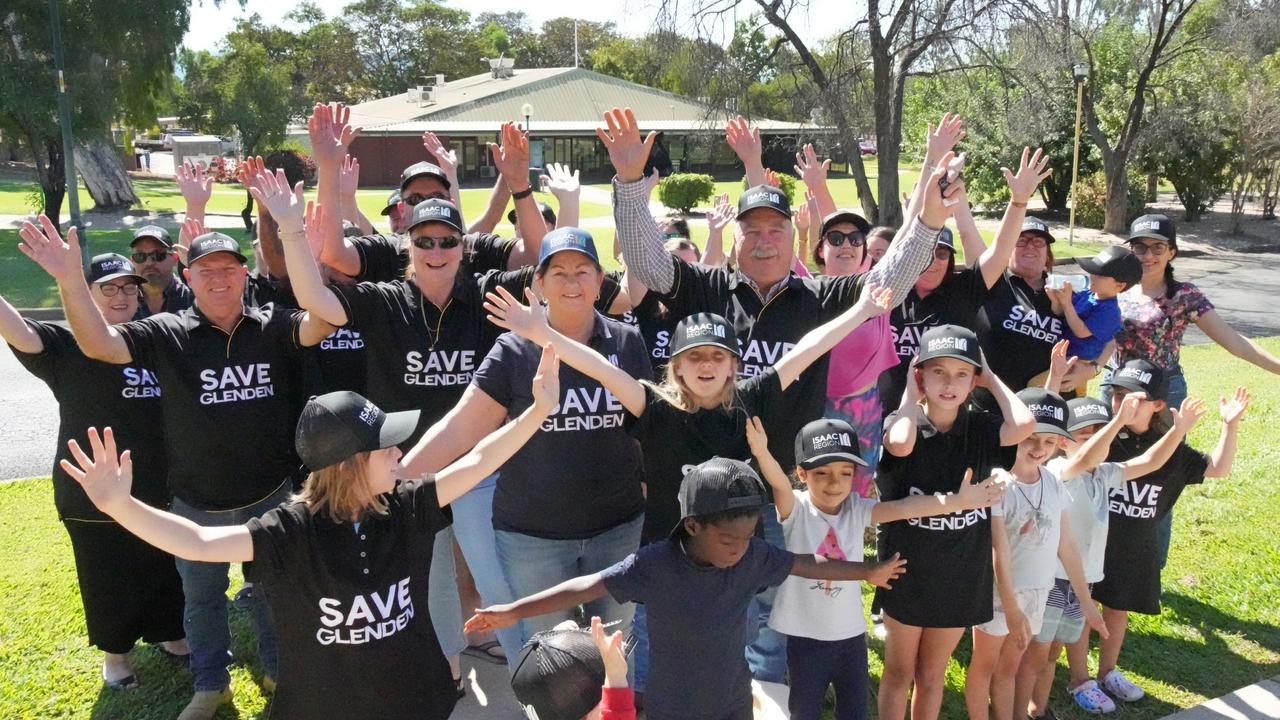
[(877, 627), (1091, 699), (205, 703), (244, 598), (1116, 684)]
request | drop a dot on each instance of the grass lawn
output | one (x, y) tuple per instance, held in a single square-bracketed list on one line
[(1219, 630)]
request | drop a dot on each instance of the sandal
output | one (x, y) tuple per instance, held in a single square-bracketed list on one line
[(490, 652), (460, 684), (129, 682), (175, 658)]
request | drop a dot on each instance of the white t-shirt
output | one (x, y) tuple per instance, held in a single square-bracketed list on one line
[(1088, 514), (823, 609), (1032, 521)]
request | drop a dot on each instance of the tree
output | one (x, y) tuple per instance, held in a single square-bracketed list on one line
[(400, 45), (556, 41), (116, 66)]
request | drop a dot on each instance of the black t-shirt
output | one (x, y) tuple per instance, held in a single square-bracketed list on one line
[(1017, 329), (384, 258), (767, 330), (580, 474), (657, 325), (177, 297), (955, 302), (675, 441), (90, 393), (1132, 565), (949, 575), (350, 608), (231, 401)]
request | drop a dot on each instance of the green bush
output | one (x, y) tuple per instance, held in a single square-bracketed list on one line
[(682, 191), (1091, 198), (788, 183)]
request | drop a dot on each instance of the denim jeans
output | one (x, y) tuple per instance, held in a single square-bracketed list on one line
[(533, 564), (473, 527), (204, 615), (766, 647), (442, 596), (638, 672)]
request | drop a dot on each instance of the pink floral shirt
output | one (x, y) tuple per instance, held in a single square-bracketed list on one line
[(1153, 329)]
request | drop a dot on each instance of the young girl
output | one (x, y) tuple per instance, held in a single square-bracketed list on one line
[(1089, 482), (1132, 563), (345, 564), (1029, 529), (823, 621)]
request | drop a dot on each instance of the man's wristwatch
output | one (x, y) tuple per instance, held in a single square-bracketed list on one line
[(522, 194)]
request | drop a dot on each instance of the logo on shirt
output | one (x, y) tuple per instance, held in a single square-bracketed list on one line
[(236, 383), (1026, 321), (365, 618), (439, 368), (1053, 411), (959, 520), (140, 383), (759, 355), (907, 341), (949, 343), (585, 408), (661, 345), (1135, 500), (1135, 374), (343, 339)]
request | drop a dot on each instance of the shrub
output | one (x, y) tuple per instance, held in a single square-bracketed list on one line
[(786, 182), (1091, 198), (682, 191), (297, 165)]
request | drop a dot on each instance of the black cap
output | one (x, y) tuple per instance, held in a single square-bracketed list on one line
[(548, 214), (1117, 262), (436, 210), (847, 216), (951, 341), (1086, 411), (717, 485), (826, 441), (1049, 410), (558, 675), (764, 196), (702, 329), (420, 169), (1037, 226), (213, 242), (1156, 227), (155, 232), (946, 239), (564, 239), (392, 201), (109, 266), (1141, 376), (337, 425)]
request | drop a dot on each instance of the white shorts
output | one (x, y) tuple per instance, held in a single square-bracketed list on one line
[(1031, 602)]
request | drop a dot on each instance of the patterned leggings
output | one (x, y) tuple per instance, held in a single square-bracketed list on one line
[(864, 413)]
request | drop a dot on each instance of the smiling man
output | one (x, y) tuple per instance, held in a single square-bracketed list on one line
[(154, 258)]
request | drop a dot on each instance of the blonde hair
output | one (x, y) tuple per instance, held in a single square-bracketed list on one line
[(674, 390), (341, 490)]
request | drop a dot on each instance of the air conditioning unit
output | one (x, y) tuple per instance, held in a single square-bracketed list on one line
[(415, 94), (428, 96)]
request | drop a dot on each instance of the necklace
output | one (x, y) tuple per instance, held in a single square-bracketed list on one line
[(1038, 519), (433, 334)]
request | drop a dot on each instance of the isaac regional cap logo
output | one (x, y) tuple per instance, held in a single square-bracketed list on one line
[(949, 343)]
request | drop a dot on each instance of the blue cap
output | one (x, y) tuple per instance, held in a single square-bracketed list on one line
[(567, 238)]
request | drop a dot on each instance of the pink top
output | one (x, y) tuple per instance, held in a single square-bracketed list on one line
[(858, 359)]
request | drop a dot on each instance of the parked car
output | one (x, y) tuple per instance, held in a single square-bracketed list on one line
[(866, 146), (166, 139)]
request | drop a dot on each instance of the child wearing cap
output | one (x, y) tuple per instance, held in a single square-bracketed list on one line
[(696, 586), (1093, 315), (823, 621), (931, 441), (1132, 563), (1088, 482), (1030, 528), (559, 675), (345, 563)]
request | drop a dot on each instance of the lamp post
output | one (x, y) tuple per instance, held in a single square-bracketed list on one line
[(68, 143), (527, 111), (1080, 71)]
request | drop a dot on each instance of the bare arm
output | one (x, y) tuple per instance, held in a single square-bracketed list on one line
[(745, 142), (814, 174), (308, 287), (1233, 342), (1158, 454), (1018, 423), (1032, 170), (567, 189), (1093, 452), (350, 184), (1063, 305), (196, 189), (447, 161), (779, 484), (1224, 453), (17, 332), (877, 573), (1019, 629), (1069, 554), (330, 137), (475, 416), (637, 233), (969, 497), (512, 160), (720, 216), (912, 248), (819, 341), (901, 425), (498, 199), (568, 594)]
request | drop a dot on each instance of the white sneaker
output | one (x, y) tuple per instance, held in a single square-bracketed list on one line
[(1091, 699), (1117, 685), (877, 627)]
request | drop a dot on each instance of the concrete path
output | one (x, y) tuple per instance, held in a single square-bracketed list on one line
[(1260, 701)]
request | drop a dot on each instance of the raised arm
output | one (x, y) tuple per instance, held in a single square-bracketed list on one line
[(15, 331), (567, 189), (1158, 454), (196, 188), (349, 184), (1059, 366), (1093, 452), (717, 220), (1033, 168), (498, 199), (966, 227), (939, 142), (970, 496), (447, 161), (779, 484), (1018, 423), (873, 301), (912, 249), (330, 137), (637, 233), (474, 417), (107, 477), (568, 594), (1229, 338), (61, 260), (273, 260), (814, 174), (484, 459), (530, 321), (746, 144), (901, 425), (1224, 454), (512, 160)]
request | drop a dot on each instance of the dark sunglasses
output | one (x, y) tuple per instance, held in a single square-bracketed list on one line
[(153, 256), (110, 290), (431, 242), (835, 238), (414, 199)]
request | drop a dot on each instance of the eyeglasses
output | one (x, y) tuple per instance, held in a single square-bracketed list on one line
[(153, 256), (109, 290), (414, 199), (431, 242), (1038, 243), (1156, 249), (835, 238)]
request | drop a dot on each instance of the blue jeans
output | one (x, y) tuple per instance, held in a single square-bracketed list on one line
[(766, 647), (473, 527), (533, 564), (204, 585), (442, 596), (638, 672), (815, 664)]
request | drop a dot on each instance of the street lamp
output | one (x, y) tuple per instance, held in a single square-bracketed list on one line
[(1079, 71), (68, 146), (527, 111)]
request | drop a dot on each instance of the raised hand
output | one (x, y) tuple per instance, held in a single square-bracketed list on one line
[(196, 187), (546, 381), (1060, 364), (757, 439), (1033, 168), (1186, 417), (809, 169), (445, 158), (330, 134), (1232, 409), (744, 140), (249, 169), (313, 224), (875, 301), (886, 571), (1129, 407), (979, 495), (936, 210), (627, 151), (512, 156), (721, 214), (43, 244), (285, 205), (801, 216), (942, 139), (771, 178), (527, 321), (561, 182), (614, 653), (349, 177), (105, 477), (189, 230)]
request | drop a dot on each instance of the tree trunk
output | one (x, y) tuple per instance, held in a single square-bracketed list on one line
[(53, 180), (104, 175), (887, 147), (247, 213), (1117, 206), (1153, 187)]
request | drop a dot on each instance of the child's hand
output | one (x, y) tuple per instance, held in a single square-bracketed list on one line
[(1129, 407), (106, 477), (491, 618), (875, 301), (1059, 365), (886, 570), (1019, 627), (1094, 619), (1232, 410), (1188, 415), (756, 437), (546, 381), (984, 494), (613, 652), (527, 321)]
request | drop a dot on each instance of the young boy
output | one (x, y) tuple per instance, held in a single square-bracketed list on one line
[(558, 675), (1093, 315), (696, 586)]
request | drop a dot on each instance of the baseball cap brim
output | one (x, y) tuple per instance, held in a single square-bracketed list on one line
[(160, 240), (828, 458), (236, 254), (846, 216), (708, 342), (439, 219), (1086, 422), (1150, 234), (1042, 233), (557, 251), (1050, 428), (397, 427), (113, 276), (1131, 385), (759, 206), (951, 354)]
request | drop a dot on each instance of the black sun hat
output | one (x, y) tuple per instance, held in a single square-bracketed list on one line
[(337, 425), (558, 675)]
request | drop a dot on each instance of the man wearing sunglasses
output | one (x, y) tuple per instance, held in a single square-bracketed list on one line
[(154, 258)]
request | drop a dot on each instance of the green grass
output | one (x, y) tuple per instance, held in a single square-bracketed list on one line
[(1220, 628)]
